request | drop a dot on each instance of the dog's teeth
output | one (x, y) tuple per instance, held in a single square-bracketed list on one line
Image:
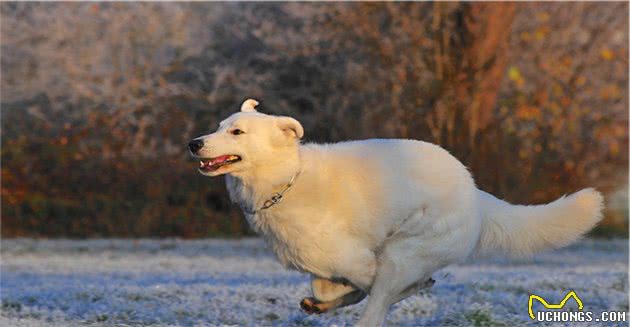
[(200, 163)]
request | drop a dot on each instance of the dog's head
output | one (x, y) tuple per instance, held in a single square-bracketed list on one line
[(245, 141)]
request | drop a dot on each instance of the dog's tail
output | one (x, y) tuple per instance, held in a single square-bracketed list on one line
[(518, 230)]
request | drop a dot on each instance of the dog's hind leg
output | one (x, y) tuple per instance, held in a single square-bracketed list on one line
[(310, 305), (329, 295)]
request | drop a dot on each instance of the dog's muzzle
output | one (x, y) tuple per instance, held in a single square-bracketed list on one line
[(195, 146)]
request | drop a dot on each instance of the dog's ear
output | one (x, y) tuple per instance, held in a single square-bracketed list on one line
[(290, 127), (249, 105)]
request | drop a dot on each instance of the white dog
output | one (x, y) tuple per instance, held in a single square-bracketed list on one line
[(373, 217)]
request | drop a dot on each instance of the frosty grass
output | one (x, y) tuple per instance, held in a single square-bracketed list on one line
[(239, 282)]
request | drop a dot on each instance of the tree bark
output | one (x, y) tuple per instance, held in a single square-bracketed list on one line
[(470, 67), (487, 34)]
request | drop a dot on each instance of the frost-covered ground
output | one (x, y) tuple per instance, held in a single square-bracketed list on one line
[(238, 282)]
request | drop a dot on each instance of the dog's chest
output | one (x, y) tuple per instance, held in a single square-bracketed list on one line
[(296, 245)]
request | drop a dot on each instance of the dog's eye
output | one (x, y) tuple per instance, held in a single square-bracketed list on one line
[(237, 132)]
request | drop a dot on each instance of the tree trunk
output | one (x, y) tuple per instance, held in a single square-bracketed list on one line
[(487, 29), (470, 67)]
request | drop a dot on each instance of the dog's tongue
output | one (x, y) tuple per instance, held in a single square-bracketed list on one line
[(220, 159), (214, 163)]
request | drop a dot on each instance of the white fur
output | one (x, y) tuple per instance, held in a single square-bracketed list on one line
[(249, 105), (381, 214)]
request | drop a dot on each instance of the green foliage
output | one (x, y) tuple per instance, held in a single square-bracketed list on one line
[(482, 318)]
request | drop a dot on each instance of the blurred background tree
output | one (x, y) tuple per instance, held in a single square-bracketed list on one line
[(99, 100)]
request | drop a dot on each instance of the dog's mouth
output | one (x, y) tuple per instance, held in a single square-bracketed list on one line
[(213, 164)]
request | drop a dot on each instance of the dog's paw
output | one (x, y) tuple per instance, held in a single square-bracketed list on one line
[(310, 306)]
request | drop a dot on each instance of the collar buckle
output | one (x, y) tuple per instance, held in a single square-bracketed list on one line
[(275, 198)]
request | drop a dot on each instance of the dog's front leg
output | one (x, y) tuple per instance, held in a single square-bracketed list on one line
[(328, 295), (401, 265)]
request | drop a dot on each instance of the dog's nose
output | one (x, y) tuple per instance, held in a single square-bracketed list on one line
[(195, 145)]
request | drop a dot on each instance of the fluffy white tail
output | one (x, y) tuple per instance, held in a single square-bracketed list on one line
[(518, 230)]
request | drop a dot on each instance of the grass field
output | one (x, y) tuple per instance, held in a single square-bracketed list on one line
[(239, 282)]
